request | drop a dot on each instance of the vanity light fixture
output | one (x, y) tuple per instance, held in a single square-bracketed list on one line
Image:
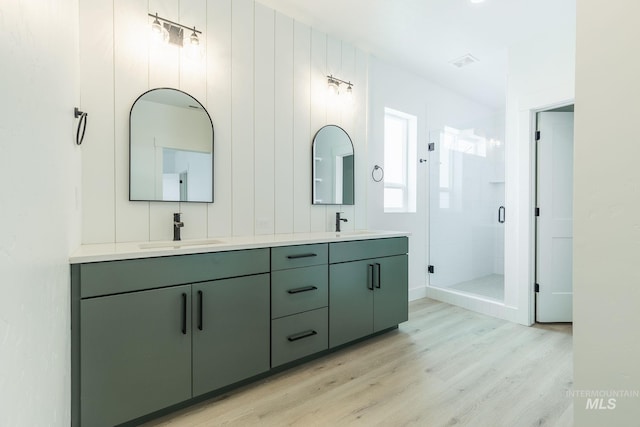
[(194, 40), (158, 33), (173, 32), (333, 86), (156, 27), (349, 94)]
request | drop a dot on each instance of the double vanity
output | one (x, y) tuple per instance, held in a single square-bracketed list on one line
[(159, 325)]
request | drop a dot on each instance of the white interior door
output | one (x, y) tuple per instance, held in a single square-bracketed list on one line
[(554, 249)]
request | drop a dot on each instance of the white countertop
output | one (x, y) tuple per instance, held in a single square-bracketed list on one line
[(136, 250)]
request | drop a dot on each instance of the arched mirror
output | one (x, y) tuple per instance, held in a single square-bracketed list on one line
[(170, 148), (332, 167)]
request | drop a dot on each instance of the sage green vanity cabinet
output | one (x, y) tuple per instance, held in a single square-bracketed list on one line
[(367, 294), (299, 289), (285, 257), (165, 340), (299, 335), (135, 357), (155, 332), (299, 299), (113, 277), (230, 331), (391, 292)]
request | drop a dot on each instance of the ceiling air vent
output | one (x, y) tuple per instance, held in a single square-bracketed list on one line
[(463, 61)]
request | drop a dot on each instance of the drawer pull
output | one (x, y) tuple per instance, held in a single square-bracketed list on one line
[(304, 289), (184, 313), (301, 256), (370, 278), (301, 335), (200, 298)]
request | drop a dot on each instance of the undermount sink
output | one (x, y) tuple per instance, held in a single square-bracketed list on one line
[(179, 244), (354, 233)]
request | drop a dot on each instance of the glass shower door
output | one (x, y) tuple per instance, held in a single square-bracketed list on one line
[(467, 213)]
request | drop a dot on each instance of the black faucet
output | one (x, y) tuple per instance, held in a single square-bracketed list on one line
[(338, 219), (177, 224)]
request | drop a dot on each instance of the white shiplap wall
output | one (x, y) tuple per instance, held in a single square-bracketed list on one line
[(262, 80)]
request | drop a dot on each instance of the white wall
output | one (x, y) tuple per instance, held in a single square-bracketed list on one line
[(434, 107), (541, 74), (606, 205), (40, 176), (263, 80)]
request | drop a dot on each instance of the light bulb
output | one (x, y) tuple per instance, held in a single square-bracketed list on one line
[(332, 87), (158, 33), (156, 27), (193, 46), (194, 40), (349, 95)]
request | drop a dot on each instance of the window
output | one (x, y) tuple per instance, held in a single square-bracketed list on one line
[(400, 138)]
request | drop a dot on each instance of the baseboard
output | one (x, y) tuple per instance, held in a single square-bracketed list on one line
[(474, 303), (417, 293)]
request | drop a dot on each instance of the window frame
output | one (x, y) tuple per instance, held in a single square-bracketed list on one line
[(408, 159)]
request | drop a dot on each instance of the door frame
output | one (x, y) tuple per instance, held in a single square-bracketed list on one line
[(533, 126)]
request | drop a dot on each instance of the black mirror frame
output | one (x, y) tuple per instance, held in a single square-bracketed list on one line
[(212, 148), (313, 141)]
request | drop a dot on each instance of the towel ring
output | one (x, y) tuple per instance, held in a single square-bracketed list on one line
[(82, 124), (373, 173)]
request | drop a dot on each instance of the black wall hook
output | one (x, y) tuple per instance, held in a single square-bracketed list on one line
[(81, 124)]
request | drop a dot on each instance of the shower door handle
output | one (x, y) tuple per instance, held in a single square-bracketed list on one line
[(501, 214)]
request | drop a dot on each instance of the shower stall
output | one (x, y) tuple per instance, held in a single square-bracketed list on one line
[(467, 213)]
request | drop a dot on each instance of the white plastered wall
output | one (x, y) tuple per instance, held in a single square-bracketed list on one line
[(606, 214), (39, 207), (541, 75)]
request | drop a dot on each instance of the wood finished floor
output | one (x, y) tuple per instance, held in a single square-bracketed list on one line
[(446, 366)]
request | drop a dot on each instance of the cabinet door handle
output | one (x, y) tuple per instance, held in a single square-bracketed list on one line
[(301, 335), (200, 298), (303, 289), (184, 313), (370, 284), (301, 256), (501, 214), (378, 275)]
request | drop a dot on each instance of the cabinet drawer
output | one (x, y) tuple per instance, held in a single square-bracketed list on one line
[(297, 336), (299, 256), (364, 249), (103, 278), (299, 289)]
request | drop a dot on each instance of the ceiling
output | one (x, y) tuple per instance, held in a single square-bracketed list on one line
[(424, 36)]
